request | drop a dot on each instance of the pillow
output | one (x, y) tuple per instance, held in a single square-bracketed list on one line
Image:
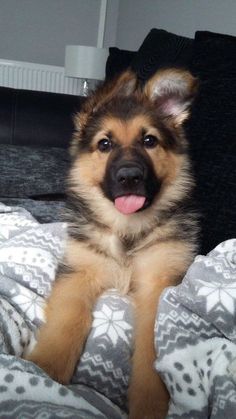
[(118, 61), (211, 130), (161, 49)]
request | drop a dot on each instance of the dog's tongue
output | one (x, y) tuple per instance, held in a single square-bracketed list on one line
[(128, 204)]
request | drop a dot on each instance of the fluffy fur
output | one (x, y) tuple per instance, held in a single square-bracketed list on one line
[(129, 140)]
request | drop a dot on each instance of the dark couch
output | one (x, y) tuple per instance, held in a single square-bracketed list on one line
[(35, 130), (36, 127)]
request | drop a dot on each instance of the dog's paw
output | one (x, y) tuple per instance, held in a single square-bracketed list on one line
[(59, 370)]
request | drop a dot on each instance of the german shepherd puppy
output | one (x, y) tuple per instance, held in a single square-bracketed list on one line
[(130, 223)]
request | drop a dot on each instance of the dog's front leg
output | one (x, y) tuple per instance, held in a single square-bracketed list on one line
[(148, 397), (161, 266), (69, 317)]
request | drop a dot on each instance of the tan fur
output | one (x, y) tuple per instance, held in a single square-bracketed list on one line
[(154, 261)]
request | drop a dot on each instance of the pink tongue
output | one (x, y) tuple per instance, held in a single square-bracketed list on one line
[(129, 204)]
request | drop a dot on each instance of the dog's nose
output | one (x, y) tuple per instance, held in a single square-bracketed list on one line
[(132, 175)]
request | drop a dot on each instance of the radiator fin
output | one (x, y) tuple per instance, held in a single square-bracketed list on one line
[(30, 76)]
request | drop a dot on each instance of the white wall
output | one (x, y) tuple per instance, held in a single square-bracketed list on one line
[(38, 30), (183, 17)]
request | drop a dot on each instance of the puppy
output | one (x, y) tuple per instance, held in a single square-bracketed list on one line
[(130, 225)]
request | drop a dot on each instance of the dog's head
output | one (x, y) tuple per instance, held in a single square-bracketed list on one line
[(129, 148)]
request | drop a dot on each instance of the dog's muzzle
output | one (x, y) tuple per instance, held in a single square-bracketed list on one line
[(130, 183)]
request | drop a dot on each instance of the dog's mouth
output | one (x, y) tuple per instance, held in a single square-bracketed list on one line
[(129, 204)]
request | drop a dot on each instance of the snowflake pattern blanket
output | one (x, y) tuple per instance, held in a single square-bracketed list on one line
[(195, 331)]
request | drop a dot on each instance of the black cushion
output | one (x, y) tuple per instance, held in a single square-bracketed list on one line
[(118, 61), (161, 49), (211, 130)]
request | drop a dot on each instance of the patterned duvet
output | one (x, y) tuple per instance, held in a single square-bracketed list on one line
[(196, 334)]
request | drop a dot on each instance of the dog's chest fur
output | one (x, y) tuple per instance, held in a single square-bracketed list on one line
[(113, 256), (118, 260), (121, 248)]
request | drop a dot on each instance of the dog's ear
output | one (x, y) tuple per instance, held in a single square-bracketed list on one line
[(123, 85), (172, 91)]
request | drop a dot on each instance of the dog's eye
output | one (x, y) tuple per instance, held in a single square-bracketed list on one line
[(150, 141), (105, 145)]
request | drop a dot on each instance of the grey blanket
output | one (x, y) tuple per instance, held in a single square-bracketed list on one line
[(195, 332)]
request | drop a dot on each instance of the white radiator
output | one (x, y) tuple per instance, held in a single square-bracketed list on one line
[(46, 78)]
